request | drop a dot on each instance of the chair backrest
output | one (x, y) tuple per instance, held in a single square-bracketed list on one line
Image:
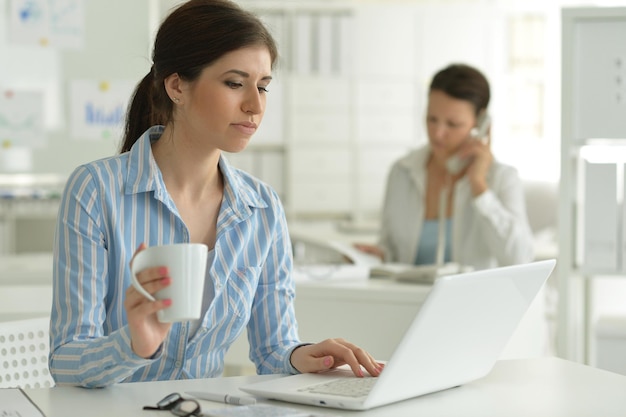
[(24, 348)]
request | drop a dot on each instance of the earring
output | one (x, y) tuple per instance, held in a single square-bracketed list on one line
[(176, 100)]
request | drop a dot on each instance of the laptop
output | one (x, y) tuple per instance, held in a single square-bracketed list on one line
[(456, 337)]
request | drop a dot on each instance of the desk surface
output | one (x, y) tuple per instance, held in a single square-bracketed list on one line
[(539, 387)]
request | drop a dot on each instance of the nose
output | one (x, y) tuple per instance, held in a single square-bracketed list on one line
[(437, 130), (254, 102)]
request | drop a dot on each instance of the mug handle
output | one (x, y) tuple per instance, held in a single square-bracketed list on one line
[(137, 266)]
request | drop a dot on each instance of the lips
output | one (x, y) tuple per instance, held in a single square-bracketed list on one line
[(246, 127)]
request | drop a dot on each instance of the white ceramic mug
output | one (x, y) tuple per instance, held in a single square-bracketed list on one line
[(187, 267)]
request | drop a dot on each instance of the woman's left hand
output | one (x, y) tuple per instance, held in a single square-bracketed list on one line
[(332, 353)]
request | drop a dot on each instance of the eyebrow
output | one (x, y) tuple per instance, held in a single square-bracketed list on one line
[(245, 74)]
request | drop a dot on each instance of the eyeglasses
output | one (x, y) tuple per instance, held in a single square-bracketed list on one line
[(177, 405)]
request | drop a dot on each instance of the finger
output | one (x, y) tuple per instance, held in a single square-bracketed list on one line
[(149, 308), (319, 357), (362, 358), (343, 352), (325, 362), (152, 282), (134, 297), (149, 275), (363, 247), (143, 311), (371, 365)]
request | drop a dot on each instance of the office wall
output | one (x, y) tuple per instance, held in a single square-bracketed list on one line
[(117, 35)]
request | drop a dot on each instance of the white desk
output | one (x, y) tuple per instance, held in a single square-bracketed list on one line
[(537, 387)]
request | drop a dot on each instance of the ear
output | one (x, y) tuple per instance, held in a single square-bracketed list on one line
[(173, 87)]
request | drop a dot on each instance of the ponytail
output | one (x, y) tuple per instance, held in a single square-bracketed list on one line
[(147, 108)]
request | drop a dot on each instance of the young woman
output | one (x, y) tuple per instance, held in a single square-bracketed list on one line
[(205, 93), (485, 214)]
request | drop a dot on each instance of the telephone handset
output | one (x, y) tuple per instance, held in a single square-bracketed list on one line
[(455, 164)]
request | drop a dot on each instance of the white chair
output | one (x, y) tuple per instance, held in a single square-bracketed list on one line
[(24, 348)]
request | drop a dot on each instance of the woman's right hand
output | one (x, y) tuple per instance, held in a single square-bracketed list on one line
[(146, 331), (371, 249)]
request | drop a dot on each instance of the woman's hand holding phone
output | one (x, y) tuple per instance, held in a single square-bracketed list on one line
[(474, 156), (479, 133)]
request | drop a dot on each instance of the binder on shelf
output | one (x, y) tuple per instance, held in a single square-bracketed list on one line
[(601, 218), (326, 43), (346, 29), (622, 249), (302, 46)]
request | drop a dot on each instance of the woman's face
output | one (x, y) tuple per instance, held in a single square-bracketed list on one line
[(225, 105), (448, 121)]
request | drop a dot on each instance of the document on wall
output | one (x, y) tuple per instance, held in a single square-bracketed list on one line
[(15, 403)]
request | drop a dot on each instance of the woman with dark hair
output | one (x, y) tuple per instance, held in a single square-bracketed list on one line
[(455, 178), (205, 93)]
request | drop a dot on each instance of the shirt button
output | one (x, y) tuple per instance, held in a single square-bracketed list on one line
[(178, 364)]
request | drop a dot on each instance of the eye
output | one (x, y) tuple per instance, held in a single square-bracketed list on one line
[(233, 85), (263, 89)]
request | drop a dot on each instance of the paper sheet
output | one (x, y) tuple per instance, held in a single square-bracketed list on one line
[(15, 403)]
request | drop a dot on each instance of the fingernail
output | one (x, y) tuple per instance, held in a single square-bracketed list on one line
[(167, 301), (163, 270), (327, 361)]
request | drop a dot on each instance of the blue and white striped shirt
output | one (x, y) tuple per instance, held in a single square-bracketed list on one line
[(109, 207)]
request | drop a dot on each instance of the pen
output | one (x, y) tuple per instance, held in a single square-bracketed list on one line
[(223, 398)]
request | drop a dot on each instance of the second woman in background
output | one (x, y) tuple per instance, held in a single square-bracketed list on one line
[(484, 211)]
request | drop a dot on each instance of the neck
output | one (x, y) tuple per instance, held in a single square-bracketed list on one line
[(437, 169), (185, 168)]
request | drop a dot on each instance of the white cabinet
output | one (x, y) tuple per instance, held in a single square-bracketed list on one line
[(320, 110), (372, 169), (28, 210), (591, 190), (320, 180)]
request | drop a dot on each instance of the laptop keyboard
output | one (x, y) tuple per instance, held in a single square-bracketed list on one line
[(345, 387)]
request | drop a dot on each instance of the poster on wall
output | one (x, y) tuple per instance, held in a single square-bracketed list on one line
[(53, 23), (98, 108), (21, 119)]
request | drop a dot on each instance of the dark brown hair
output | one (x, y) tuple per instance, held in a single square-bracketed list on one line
[(193, 36), (463, 82)]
